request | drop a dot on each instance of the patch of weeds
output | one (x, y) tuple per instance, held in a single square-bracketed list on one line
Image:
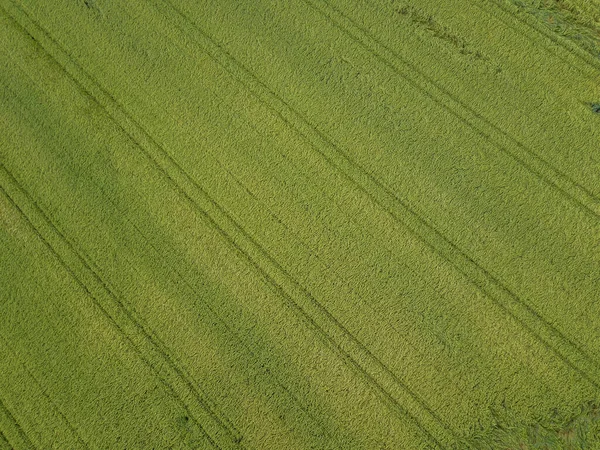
[(577, 20), (429, 23), (555, 431), (92, 7)]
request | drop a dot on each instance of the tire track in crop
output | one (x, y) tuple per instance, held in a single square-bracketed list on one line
[(565, 44), (139, 135), (237, 438), (150, 337), (539, 167), (173, 272), (216, 205), (84, 287), (43, 391), (230, 330), (327, 317), (4, 442), (4, 411), (462, 254), (541, 329), (425, 223), (484, 280), (266, 369)]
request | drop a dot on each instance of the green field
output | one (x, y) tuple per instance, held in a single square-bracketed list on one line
[(300, 224)]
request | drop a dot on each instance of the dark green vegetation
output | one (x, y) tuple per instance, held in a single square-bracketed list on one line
[(554, 430), (576, 20), (296, 224)]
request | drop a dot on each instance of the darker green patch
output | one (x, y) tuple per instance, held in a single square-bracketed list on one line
[(596, 108), (92, 7), (572, 19), (191, 435), (429, 23), (554, 431)]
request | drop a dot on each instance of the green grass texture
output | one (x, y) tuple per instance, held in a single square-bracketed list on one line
[(300, 224)]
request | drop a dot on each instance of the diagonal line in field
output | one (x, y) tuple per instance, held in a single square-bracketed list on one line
[(94, 299), (300, 295), (541, 329), (502, 141), (197, 295), (6, 412), (44, 393), (481, 278), (563, 43)]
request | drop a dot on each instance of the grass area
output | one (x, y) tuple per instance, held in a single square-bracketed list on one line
[(577, 20), (555, 430), (296, 224)]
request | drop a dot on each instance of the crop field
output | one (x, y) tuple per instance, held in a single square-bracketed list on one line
[(300, 224)]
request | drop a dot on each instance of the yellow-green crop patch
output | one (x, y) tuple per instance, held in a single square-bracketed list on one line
[(299, 224)]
